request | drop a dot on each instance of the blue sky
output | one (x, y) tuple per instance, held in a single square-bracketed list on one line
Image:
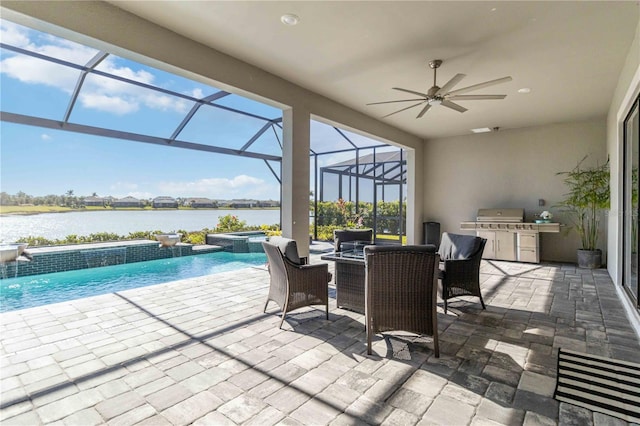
[(40, 161)]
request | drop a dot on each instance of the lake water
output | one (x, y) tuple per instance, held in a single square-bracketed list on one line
[(122, 222)]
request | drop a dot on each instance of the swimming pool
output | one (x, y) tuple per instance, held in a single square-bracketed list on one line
[(37, 290)]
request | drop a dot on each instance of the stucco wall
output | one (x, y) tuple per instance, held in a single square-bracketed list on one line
[(509, 168), (626, 91)]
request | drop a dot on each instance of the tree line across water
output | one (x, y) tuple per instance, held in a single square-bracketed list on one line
[(330, 215), (25, 203)]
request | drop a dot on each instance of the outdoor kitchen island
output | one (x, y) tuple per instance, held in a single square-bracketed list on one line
[(508, 236)]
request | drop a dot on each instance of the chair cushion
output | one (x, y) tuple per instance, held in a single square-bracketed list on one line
[(457, 246), (288, 248)]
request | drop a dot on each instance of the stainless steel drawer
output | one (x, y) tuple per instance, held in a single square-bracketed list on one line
[(529, 240), (528, 255)]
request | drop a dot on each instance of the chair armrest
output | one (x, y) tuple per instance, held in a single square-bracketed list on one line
[(304, 275), (451, 263)]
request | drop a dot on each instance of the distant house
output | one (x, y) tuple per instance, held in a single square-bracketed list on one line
[(95, 201), (199, 202), (165, 202), (243, 204), (268, 203), (126, 202)]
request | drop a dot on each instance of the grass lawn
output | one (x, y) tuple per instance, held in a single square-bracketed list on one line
[(33, 209)]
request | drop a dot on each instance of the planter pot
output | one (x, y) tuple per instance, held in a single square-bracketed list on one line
[(591, 259)]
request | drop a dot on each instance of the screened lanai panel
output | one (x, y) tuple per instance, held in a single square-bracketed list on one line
[(45, 44), (269, 142), (153, 77), (113, 104), (35, 93), (330, 187), (219, 127), (250, 106), (358, 140), (324, 138)]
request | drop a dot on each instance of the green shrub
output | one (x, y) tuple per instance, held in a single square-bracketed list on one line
[(230, 223)]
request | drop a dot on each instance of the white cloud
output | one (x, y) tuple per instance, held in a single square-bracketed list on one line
[(13, 34), (45, 137), (99, 93), (241, 186), (113, 104), (196, 93)]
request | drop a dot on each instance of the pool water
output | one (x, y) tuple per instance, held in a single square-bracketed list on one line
[(37, 290)]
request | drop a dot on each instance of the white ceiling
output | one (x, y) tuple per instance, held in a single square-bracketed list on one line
[(568, 53)]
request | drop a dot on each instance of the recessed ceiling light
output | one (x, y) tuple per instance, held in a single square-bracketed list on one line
[(290, 19), (481, 130), (493, 9), (524, 90)]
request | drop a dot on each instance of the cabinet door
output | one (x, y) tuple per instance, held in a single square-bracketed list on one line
[(505, 245), (489, 248), (528, 239)]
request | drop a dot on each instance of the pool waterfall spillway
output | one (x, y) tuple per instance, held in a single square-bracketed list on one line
[(9, 254), (168, 240), (105, 257)]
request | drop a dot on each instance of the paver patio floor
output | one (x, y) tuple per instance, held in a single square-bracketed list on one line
[(202, 351)]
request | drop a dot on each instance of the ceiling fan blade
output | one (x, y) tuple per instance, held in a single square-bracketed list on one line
[(411, 91), (425, 109), (481, 85), (475, 97), (404, 109), (390, 102), (451, 105), (449, 85)]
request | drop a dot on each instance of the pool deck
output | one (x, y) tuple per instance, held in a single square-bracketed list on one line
[(202, 351)]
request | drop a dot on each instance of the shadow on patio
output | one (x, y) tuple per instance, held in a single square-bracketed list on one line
[(202, 351)]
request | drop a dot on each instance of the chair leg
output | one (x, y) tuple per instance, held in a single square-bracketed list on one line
[(284, 312), (327, 309), (368, 340), (482, 302), (265, 306), (436, 346), (445, 306)]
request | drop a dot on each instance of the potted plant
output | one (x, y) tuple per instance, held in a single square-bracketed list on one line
[(587, 198)]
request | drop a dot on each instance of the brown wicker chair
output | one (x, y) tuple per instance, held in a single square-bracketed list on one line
[(460, 268), (341, 236), (401, 290), (295, 285)]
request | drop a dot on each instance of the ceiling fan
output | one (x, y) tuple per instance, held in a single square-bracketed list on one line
[(442, 95)]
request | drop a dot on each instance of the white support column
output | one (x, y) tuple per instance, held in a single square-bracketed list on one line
[(415, 186), (295, 176)]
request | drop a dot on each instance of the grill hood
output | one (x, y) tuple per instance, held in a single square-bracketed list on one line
[(500, 215)]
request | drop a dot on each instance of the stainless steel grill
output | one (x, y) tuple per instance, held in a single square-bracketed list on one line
[(508, 236)]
